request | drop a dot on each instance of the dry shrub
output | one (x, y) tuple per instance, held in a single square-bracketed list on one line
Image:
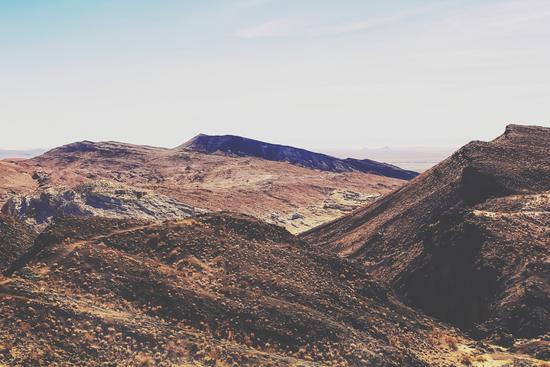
[(451, 341), (466, 360), (144, 360)]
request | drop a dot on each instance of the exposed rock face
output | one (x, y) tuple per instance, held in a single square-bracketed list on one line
[(337, 203), (102, 198), (244, 147), (468, 240), (218, 290)]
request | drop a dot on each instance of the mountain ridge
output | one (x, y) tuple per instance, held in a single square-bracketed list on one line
[(293, 196), (241, 146)]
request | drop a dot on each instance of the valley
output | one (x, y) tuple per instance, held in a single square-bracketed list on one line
[(117, 254)]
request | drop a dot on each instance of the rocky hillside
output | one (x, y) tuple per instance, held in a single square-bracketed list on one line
[(15, 178), (295, 197), (218, 290), (244, 147), (101, 198), (467, 241), (15, 239)]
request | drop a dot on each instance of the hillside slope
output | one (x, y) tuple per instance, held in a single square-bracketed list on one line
[(219, 290), (468, 241), (15, 239), (278, 192), (244, 147)]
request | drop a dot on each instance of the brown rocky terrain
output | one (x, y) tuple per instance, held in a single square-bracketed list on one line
[(217, 290), (277, 192), (15, 178), (15, 239), (451, 269), (467, 241)]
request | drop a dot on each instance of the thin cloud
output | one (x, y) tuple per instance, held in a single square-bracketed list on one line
[(287, 27), (363, 25), (271, 29)]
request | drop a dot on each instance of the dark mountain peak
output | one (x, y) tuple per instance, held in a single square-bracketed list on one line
[(524, 134), (238, 145), (245, 147)]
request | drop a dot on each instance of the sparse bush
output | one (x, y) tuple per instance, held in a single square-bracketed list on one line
[(451, 341), (466, 360), (143, 360)]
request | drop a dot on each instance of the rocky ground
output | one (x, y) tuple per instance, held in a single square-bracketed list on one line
[(15, 239), (218, 290)]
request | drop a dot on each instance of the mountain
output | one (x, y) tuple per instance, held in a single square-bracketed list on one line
[(217, 290), (118, 263), (467, 241), (277, 192), (244, 147)]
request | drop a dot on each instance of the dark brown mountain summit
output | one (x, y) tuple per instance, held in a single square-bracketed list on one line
[(244, 147), (467, 241)]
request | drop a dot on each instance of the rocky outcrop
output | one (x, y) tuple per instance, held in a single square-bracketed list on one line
[(336, 204), (244, 147), (103, 199)]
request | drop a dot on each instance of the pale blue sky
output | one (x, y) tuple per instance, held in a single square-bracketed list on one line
[(318, 74)]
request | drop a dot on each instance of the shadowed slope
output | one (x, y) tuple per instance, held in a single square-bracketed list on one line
[(468, 240)]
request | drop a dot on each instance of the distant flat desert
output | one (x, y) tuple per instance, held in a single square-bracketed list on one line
[(417, 159)]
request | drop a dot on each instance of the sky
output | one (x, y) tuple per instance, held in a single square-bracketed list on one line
[(318, 74)]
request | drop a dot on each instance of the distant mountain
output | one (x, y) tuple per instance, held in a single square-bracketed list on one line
[(20, 153), (244, 147), (295, 197)]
